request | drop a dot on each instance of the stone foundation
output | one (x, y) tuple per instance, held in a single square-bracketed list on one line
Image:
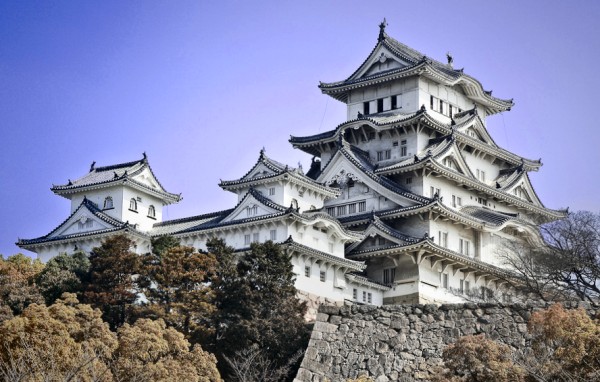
[(313, 302), (404, 343)]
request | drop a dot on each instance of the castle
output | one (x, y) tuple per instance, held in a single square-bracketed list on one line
[(408, 201)]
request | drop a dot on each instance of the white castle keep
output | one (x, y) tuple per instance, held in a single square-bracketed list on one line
[(408, 201)]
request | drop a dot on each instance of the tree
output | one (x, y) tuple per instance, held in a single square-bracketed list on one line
[(112, 287), (565, 345), (149, 351), (63, 273), (478, 359), (17, 284), (69, 341), (566, 267), (66, 341), (177, 285), (257, 303)]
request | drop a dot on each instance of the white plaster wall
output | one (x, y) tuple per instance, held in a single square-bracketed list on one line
[(406, 89), (141, 218), (376, 294)]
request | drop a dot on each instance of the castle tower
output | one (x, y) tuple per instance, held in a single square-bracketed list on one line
[(420, 176)]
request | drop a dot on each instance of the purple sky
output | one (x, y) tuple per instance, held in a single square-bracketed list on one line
[(202, 86)]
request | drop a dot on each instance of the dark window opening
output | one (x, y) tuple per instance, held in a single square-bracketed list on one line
[(394, 102), (380, 105), (366, 108)]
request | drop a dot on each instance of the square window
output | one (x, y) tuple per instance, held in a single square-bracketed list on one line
[(352, 208), (331, 211), (362, 206), (341, 210), (389, 275)]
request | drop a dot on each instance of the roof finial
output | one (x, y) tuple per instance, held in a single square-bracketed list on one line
[(262, 151), (450, 58), (93, 166), (145, 156), (382, 30)]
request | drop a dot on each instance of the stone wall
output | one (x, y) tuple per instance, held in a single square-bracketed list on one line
[(403, 342)]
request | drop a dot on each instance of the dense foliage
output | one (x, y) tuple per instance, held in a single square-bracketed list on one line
[(149, 317)]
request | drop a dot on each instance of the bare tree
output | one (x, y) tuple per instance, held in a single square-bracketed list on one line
[(566, 266), (253, 365)]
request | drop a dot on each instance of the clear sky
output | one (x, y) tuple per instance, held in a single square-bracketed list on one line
[(202, 86)]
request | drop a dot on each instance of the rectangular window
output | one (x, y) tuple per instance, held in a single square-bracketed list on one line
[(369, 298), (464, 247), (380, 105), (445, 280), (467, 287), (453, 200), (330, 247), (403, 149), (273, 234), (364, 296), (431, 102), (352, 208), (381, 241), (409, 180), (354, 293), (307, 271), (433, 191), (366, 108), (395, 143), (322, 276), (362, 206), (443, 238), (388, 154), (272, 191), (441, 106), (379, 156), (482, 292), (450, 113), (255, 237), (247, 239), (394, 100), (389, 275), (341, 211), (331, 211), (462, 286)]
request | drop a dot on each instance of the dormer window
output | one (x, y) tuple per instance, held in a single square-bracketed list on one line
[(151, 212), (108, 202), (133, 205)]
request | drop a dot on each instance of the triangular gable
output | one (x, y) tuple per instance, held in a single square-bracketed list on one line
[(452, 158), (86, 218), (147, 178), (476, 130), (380, 60), (379, 235), (259, 170), (523, 189), (340, 170), (253, 205)]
